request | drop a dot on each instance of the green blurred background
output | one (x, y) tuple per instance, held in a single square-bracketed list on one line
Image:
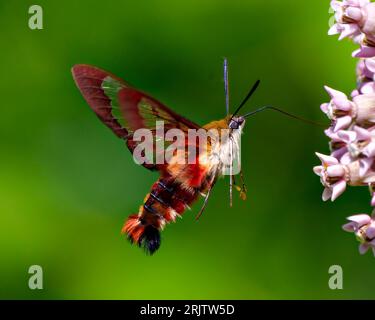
[(67, 183)]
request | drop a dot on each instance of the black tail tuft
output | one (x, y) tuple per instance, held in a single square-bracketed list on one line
[(150, 239)]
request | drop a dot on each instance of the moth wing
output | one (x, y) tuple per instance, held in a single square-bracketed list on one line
[(139, 111), (90, 81), (124, 109)]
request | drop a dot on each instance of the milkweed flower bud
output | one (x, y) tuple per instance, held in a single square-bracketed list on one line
[(344, 112), (335, 176), (363, 227), (340, 109)]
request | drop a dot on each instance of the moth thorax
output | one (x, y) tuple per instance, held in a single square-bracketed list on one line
[(226, 151)]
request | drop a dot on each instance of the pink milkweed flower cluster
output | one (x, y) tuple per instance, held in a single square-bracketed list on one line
[(355, 19), (351, 161), (363, 227)]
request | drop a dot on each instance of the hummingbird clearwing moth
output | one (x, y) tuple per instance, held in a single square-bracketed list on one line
[(125, 110)]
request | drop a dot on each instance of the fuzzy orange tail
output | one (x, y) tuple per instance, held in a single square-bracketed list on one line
[(144, 235)]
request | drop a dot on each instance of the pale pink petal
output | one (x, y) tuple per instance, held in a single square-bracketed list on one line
[(358, 38), (355, 93), (369, 177), (362, 133), (360, 219), (318, 170), (370, 232), (368, 25), (332, 135), (347, 136), (342, 123), (349, 30), (326, 160), (336, 5), (335, 93), (351, 3), (364, 166), (364, 52), (335, 29), (363, 248), (339, 153), (370, 64), (354, 13), (324, 107), (336, 171), (362, 3), (373, 200), (338, 18), (337, 189), (349, 227), (346, 159), (363, 70), (342, 104), (327, 193), (369, 150), (368, 88)]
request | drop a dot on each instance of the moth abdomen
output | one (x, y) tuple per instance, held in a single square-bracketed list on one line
[(167, 200)]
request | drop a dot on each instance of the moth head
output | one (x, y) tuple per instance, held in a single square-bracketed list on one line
[(236, 122)]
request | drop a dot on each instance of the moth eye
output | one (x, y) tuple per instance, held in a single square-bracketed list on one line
[(233, 125)]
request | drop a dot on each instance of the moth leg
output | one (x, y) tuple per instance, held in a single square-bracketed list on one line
[(234, 180), (231, 184), (231, 177), (243, 189), (371, 187), (212, 183)]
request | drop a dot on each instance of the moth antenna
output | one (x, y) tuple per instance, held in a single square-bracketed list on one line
[(226, 85), (231, 175), (226, 90), (290, 115), (251, 92)]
